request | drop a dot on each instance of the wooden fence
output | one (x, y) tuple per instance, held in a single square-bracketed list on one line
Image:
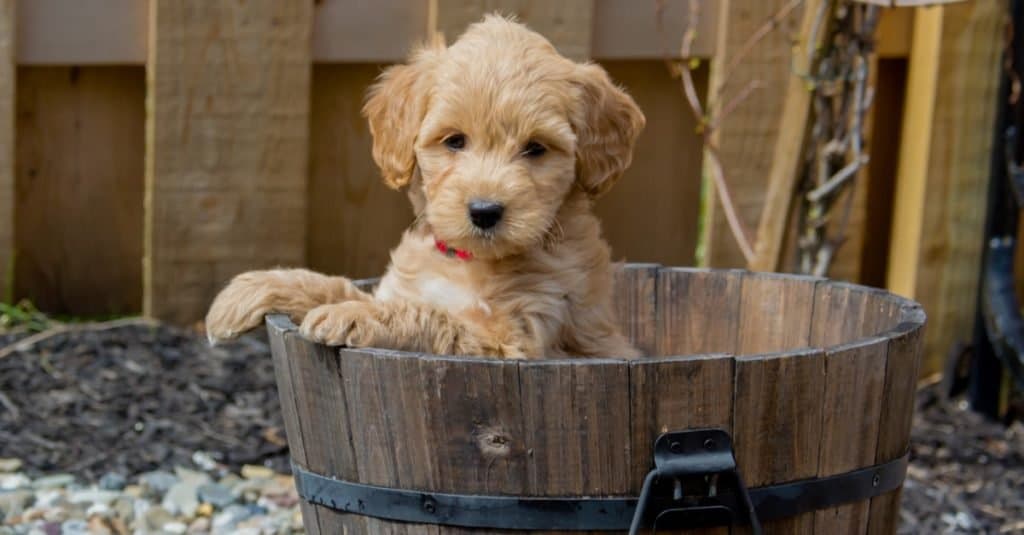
[(149, 150)]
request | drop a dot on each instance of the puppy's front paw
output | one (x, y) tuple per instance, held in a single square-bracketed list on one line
[(351, 323), (241, 305)]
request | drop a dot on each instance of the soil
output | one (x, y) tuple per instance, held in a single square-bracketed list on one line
[(137, 398)]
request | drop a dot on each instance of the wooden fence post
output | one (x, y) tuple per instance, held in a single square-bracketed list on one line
[(7, 83), (747, 135), (226, 157), (939, 206)]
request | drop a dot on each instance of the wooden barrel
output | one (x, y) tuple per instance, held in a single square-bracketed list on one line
[(810, 377)]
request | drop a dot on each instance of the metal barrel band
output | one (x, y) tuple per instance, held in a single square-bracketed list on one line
[(723, 507)]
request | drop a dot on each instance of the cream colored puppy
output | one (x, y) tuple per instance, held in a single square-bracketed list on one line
[(503, 145)]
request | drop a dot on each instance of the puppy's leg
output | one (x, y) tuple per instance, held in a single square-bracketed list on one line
[(241, 305), (412, 327)]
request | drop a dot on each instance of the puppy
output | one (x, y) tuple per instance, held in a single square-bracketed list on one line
[(503, 145)]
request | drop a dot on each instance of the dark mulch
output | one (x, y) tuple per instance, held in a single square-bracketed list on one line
[(138, 398), (966, 473)]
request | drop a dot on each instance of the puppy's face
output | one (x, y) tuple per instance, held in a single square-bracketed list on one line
[(495, 131)]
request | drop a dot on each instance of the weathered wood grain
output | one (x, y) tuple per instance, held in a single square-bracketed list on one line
[(775, 313), (686, 297), (475, 425), (844, 313), (777, 422), (325, 414), (939, 206), (788, 155), (576, 424), (79, 204), (635, 299), (226, 157), (8, 77), (746, 137), (673, 394), (854, 381), (902, 367)]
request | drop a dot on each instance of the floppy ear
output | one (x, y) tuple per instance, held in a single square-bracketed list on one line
[(607, 125), (394, 107)]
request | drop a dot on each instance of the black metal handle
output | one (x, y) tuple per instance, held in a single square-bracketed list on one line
[(685, 461)]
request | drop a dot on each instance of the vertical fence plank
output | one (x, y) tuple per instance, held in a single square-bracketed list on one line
[(78, 223), (346, 193), (227, 129), (7, 83), (568, 24), (747, 136), (945, 157), (651, 214)]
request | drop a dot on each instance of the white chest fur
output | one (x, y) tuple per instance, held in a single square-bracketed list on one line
[(434, 289)]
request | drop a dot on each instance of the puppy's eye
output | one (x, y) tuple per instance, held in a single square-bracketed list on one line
[(534, 149), (455, 142)]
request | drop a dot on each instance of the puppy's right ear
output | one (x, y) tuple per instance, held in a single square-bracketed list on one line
[(395, 107)]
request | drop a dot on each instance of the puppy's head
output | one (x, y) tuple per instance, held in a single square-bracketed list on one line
[(495, 131)]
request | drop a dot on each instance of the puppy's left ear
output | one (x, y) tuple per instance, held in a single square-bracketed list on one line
[(607, 125)]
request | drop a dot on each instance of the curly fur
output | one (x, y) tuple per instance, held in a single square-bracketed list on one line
[(539, 283)]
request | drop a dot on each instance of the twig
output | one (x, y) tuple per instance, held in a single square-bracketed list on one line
[(837, 179), (748, 45), (733, 103), (727, 205), (28, 343), (11, 407)]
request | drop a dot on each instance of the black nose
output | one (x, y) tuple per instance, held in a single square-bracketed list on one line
[(485, 214)]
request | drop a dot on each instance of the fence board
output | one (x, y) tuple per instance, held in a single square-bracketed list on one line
[(944, 169), (7, 81), (568, 24), (747, 136), (226, 146), (658, 197), (78, 221), (346, 194)]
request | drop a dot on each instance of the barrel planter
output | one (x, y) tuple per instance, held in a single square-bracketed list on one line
[(798, 380)]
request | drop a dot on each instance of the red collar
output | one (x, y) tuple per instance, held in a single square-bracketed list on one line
[(451, 251)]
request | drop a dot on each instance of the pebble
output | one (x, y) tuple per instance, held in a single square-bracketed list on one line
[(8, 465), (199, 525), (93, 496), (54, 481), (14, 481), (186, 501), (226, 520), (74, 527), (156, 517), (182, 498), (13, 503), (158, 482), (113, 481), (253, 471), (204, 461), (216, 495)]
